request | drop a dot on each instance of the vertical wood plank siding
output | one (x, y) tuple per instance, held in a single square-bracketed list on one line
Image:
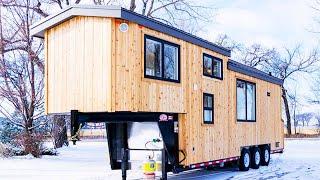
[(78, 65), (92, 66)]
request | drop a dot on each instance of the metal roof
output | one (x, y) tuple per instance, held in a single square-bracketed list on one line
[(118, 12), (253, 72)]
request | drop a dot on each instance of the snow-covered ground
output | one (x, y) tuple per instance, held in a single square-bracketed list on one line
[(89, 160)]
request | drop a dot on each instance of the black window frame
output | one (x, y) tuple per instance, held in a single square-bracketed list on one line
[(212, 66), (207, 108), (163, 42), (246, 103)]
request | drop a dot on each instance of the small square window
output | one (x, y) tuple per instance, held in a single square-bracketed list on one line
[(208, 108), (212, 66)]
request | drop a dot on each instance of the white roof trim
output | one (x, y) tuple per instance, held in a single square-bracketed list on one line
[(38, 28)]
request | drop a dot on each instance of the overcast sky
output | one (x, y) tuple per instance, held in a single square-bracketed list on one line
[(273, 23)]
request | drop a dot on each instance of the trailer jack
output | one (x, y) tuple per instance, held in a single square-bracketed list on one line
[(125, 163)]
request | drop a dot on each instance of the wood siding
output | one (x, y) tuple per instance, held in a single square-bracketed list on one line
[(78, 62), (133, 92), (104, 71)]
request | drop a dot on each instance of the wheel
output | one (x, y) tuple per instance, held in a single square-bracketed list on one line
[(265, 155), (244, 162), (255, 158)]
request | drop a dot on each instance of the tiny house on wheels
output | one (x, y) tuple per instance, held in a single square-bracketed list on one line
[(153, 83)]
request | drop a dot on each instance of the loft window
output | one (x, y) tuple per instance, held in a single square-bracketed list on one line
[(153, 58), (208, 108), (212, 66), (246, 101), (162, 59)]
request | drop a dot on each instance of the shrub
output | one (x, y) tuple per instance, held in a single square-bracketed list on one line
[(3, 150), (8, 132), (14, 141), (32, 143)]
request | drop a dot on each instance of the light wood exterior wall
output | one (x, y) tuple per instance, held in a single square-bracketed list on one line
[(78, 61), (112, 79)]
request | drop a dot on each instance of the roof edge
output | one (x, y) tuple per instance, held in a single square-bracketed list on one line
[(253, 72), (69, 12), (172, 31), (38, 29)]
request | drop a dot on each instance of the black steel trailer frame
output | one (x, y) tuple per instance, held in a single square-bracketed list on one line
[(117, 134)]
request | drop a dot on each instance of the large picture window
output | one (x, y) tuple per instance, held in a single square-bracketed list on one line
[(161, 59), (208, 108), (246, 101), (212, 66)]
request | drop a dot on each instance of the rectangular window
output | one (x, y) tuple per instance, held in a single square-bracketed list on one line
[(212, 66), (171, 62), (161, 59), (208, 108), (241, 100), (246, 101), (153, 58), (251, 102)]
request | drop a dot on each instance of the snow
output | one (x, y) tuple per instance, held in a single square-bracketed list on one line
[(89, 160)]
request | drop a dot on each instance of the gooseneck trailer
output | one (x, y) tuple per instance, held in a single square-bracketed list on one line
[(108, 64)]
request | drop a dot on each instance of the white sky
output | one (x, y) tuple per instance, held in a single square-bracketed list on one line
[(272, 23)]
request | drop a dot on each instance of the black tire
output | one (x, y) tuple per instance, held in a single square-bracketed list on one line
[(265, 155), (255, 158), (244, 161)]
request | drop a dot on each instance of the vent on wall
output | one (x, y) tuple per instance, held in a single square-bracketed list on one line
[(268, 93), (277, 144)]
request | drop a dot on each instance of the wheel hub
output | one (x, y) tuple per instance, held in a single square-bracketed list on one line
[(257, 157), (266, 155), (246, 160)]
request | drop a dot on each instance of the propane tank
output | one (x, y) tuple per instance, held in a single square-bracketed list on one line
[(149, 168)]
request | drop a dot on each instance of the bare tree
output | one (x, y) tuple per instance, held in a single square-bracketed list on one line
[(291, 62), (304, 118), (58, 130), (315, 99), (294, 101), (23, 4), (256, 55), (21, 68), (176, 12), (317, 116), (21, 62), (63, 3), (225, 41), (187, 15)]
